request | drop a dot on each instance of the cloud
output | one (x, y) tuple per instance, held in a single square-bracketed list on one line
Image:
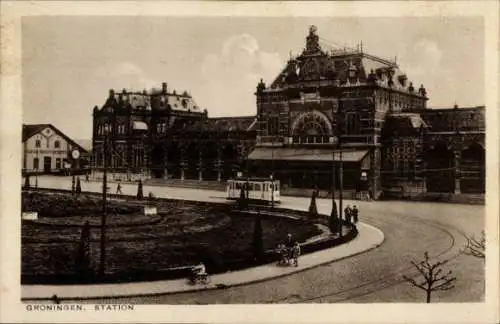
[(422, 58), (231, 75), (125, 75)]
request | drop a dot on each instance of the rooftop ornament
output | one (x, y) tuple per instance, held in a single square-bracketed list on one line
[(261, 86), (422, 91), (411, 89)]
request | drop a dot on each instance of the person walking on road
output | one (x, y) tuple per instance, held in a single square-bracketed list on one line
[(119, 189)]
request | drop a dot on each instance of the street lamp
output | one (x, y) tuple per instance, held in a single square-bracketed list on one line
[(102, 262), (272, 190)]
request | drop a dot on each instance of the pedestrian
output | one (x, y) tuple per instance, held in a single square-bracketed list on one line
[(289, 242), (296, 253), (355, 212), (87, 177), (119, 189), (347, 213)]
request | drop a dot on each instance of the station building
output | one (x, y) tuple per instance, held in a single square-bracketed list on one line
[(46, 149), (324, 107), (328, 106), (164, 134)]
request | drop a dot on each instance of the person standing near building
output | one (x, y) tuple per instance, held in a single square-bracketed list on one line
[(355, 212)]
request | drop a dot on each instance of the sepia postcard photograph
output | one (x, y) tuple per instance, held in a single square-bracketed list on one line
[(249, 162)]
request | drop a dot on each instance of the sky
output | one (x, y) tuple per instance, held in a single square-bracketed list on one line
[(70, 63)]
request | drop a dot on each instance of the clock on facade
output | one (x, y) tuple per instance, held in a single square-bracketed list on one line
[(75, 154)]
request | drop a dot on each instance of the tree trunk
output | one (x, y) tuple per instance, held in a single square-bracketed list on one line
[(428, 296)]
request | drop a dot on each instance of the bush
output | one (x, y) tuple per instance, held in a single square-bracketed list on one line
[(258, 239)]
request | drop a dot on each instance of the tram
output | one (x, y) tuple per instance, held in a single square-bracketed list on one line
[(257, 190)]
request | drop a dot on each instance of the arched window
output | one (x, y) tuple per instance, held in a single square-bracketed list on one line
[(38, 143), (57, 144)]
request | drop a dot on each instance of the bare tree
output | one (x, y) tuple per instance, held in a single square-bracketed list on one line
[(433, 277), (476, 246)]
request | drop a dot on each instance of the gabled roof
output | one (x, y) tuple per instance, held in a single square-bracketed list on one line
[(32, 129)]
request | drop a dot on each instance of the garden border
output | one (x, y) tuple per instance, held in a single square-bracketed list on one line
[(182, 272)]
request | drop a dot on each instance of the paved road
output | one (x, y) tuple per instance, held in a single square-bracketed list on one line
[(410, 229)]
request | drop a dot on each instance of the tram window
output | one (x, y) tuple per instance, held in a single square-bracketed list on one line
[(257, 187), (238, 185)]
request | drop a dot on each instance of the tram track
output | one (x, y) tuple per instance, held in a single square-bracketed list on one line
[(384, 282)]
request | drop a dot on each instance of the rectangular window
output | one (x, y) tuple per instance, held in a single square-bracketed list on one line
[(352, 123), (58, 163), (36, 163), (38, 143)]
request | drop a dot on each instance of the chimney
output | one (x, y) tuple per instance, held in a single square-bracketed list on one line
[(164, 87)]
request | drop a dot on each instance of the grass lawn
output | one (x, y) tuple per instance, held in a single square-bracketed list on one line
[(184, 234)]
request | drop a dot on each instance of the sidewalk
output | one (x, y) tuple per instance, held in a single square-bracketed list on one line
[(368, 238)]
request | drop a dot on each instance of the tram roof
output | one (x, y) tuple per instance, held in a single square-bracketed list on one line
[(256, 179)]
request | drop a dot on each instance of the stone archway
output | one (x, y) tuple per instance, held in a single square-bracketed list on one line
[(311, 127), (472, 166), (440, 173)]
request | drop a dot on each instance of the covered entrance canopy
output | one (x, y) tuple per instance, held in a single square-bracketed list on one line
[(308, 154), (310, 167)]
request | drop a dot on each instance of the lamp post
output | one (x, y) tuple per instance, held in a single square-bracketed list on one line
[(75, 155), (341, 167), (36, 171), (102, 262)]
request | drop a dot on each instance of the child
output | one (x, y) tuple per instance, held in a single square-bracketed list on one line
[(296, 254)]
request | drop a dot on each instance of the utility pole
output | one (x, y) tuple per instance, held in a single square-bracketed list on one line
[(102, 265), (341, 183)]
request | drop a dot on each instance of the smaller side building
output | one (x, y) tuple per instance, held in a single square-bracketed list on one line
[(48, 150)]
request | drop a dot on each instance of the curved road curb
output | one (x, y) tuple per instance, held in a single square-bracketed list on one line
[(369, 238)]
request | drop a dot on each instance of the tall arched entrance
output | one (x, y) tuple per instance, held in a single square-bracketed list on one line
[(158, 161), (440, 172), (311, 127), (472, 166)]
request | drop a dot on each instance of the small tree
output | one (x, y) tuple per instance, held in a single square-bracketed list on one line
[(78, 186), (258, 239), (73, 185), (433, 277), (313, 208), (82, 263), (333, 220), (139, 191), (476, 246)]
